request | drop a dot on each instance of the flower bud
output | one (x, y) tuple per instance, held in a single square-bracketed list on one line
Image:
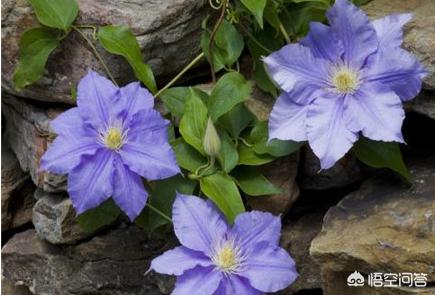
[(211, 142)]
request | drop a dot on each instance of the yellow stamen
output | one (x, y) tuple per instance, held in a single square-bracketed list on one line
[(113, 138), (226, 258), (345, 80)]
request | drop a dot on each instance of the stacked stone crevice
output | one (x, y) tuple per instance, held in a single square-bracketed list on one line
[(334, 222)]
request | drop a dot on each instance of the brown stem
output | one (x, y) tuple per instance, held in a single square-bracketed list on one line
[(212, 35)]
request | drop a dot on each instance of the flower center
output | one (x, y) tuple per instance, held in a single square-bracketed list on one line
[(226, 258), (345, 80), (113, 139)]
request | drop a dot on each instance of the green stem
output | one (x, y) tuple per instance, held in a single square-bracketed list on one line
[(284, 33), (191, 64), (254, 39), (213, 34), (245, 142), (93, 28), (166, 217), (100, 59)]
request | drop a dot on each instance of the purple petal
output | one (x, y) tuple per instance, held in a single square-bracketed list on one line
[(378, 113), (255, 226), (152, 157), (197, 223), (178, 260), (389, 29), (355, 31), (75, 140), (199, 280), (287, 119), (147, 121), (90, 183), (269, 268), (327, 132), (398, 70), (133, 99), (236, 285), (296, 63), (95, 96), (322, 42), (128, 190)]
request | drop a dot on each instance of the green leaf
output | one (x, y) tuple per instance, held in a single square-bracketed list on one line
[(99, 217), (379, 154), (230, 90), (120, 40), (187, 157), (194, 121), (236, 120), (325, 3), (35, 47), (162, 198), (228, 156), (301, 14), (59, 14), (175, 98), (247, 156), (222, 190), (256, 7), (271, 15), (253, 183), (227, 46)]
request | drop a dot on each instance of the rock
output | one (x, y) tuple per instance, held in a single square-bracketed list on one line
[(424, 104), (282, 173), (168, 33), (28, 134), (10, 289), (345, 172), (296, 239), (54, 219), (113, 263), (385, 227), (22, 205)]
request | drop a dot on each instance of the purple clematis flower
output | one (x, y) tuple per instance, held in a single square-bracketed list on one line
[(217, 259), (342, 80), (107, 143)]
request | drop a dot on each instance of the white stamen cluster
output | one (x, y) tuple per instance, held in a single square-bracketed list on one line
[(228, 257), (345, 80)]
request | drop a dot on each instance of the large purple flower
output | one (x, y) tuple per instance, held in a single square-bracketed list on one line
[(342, 80), (106, 143), (217, 259)]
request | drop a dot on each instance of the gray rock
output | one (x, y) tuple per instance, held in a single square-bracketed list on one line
[(383, 227), (28, 134), (168, 33), (113, 263), (54, 219), (11, 289), (424, 104), (346, 171), (296, 239)]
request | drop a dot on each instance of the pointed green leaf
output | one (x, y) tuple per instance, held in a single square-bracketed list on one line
[(187, 157), (228, 156), (230, 90), (94, 219), (247, 156), (379, 154), (175, 98), (194, 121), (256, 7), (120, 40), (222, 190), (236, 120), (35, 47), (253, 183), (58, 14)]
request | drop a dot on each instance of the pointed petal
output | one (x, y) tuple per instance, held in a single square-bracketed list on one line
[(146, 121), (378, 112), (322, 42), (178, 260), (199, 280), (389, 29), (327, 130), (287, 119), (90, 183), (152, 157), (398, 70), (95, 96), (236, 285), (353, 28), (197, 223), (255, 226), (128, 190), (133, 98), (269, 268), (296, 63)]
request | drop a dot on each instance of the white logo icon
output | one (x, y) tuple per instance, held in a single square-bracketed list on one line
[(355, 279)]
